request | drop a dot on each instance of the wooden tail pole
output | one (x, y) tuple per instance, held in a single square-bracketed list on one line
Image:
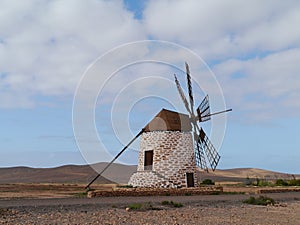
[(212, 114), (114, 159)]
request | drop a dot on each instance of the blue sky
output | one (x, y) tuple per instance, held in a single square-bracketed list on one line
[(252, 48)]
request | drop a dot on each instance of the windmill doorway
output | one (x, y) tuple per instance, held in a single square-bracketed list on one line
[(190, 180), (148, 162)]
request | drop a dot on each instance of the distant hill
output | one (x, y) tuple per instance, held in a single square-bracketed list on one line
[(240, 174), (118, 173)]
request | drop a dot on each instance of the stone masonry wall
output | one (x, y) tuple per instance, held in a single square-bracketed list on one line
[(149, 179), (173, 157)]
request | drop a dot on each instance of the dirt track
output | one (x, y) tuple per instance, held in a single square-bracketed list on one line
[(212, 209)]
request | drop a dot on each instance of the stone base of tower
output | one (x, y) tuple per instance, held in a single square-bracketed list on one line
[(149, 179), (155, 180)]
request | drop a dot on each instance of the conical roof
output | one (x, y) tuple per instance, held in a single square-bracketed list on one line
[(167, 120)]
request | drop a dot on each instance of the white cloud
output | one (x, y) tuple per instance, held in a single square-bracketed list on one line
[(263, 88), (276, 32), (256, 44), (45, 46), (220, 29)]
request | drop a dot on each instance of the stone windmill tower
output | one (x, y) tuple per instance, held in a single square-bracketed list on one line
[(173, 146), (166, 157)]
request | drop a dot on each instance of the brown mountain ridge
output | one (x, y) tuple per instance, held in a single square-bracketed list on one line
[(118, 173)]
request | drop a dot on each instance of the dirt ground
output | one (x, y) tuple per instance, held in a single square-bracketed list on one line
[(45, 190), (212, 213), (67, 204), (206, 209)]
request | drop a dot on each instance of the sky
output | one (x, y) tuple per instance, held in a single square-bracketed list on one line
[(54, 54)]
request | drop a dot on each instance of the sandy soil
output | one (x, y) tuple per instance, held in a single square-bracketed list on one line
[(46, 190), (216, 209)]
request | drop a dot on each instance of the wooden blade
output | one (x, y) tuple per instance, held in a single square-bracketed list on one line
[(189, 84), (199, 156), (186, 104), (210, 151), (203, 111)]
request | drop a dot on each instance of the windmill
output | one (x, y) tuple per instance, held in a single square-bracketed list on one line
[(172, 146), (204, 149)]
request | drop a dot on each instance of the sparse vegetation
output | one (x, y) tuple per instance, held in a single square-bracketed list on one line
[(142, 206), (281, 182), (271, 183), (294, 182), (80, 194), (261, 200), (260, 182), (177, 205), (207, 182), (165, 202), (135, 206), (264, 183), (173, 204)]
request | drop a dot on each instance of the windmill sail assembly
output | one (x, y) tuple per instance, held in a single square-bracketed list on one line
[(203, 145), (173, 145)]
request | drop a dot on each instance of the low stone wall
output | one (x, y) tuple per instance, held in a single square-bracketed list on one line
[(209, 190), (259, 190), (278, 190)]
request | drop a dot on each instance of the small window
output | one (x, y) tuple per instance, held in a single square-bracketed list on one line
[(148, 162)]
